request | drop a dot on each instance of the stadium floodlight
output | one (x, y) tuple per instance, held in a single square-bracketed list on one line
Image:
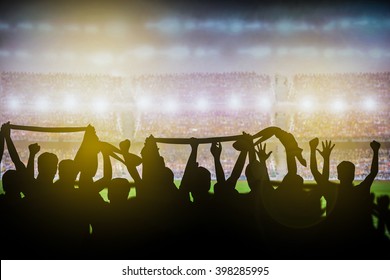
[(338, 105), (234, 102), (369, 104), (143, 102), (202, 104), (70, 103), (100, 105), (14, 103), (307, 104), (42, 104), (265, 103), (171, 105)]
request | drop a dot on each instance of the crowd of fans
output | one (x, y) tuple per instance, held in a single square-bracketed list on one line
[(352, 86), (345, 126), (65, 216)]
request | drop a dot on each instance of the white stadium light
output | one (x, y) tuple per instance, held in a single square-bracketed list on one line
[(265, 103), (171, 106), (338, 105), (234, 102), (143, 102), (307, 104), (42, 104), (14, 103), (70, 103), (369, 104), (100, 105), (202, 104)]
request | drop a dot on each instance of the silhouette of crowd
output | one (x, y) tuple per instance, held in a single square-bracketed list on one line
[(68, 218)]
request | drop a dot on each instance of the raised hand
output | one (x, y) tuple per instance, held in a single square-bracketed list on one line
[(194, 143), (314, 143), (124, 146), (216, 149), (327, 148), (244, 143), (261, 152), (34, 148), (375, 146), (6, 130)]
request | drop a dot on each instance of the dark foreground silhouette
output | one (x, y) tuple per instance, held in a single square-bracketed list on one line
[(68, 219)]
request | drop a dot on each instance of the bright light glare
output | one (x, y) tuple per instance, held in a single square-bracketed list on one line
[(202, 104), (338, 105), (14, 104), (42, 104), (265, 103), (100, 105), (234, 102), (307, 104), (70, 103), (143, 102), (369, 104), (171, 105)]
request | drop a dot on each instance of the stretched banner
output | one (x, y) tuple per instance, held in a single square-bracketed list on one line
[(112, 148), (198, 140), (48, 129)]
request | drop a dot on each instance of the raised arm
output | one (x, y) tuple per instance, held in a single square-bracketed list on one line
[(313, 163), (263, 156), (107, 169), (131, 161), (244, 144), (374, 165), (327, 148), (187, 179), (34, 150), (216, 149), (11, 147)]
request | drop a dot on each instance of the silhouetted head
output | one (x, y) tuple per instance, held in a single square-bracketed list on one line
[(292, 181), (118, 190), (203, 183), (346, 172), (47, 166), (253, 174), (12, 183), (67, 170)]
